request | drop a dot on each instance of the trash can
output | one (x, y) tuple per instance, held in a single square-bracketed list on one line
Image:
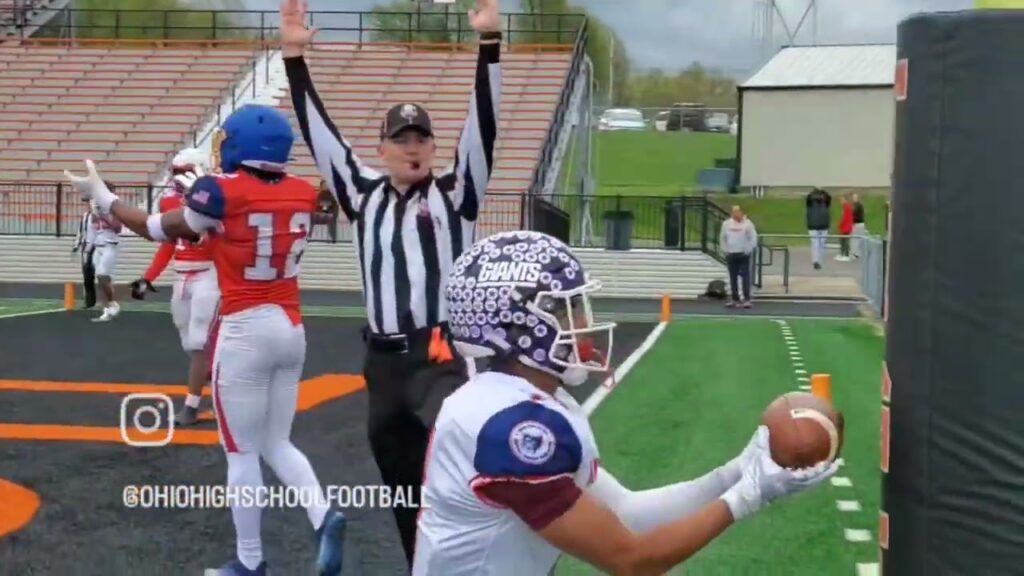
[(618, 229), (673, 223)]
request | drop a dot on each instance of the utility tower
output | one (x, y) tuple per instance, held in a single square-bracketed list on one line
[(769, 16)]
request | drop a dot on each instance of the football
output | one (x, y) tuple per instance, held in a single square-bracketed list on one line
[(804, 430)]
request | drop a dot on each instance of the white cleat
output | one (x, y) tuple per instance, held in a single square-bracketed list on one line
[(109, 313)]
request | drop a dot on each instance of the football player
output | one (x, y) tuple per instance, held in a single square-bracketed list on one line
[(195, 295), (107, 249), (257, 218), (513, 474)]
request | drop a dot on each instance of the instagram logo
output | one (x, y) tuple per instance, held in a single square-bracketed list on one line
[(142, 419)]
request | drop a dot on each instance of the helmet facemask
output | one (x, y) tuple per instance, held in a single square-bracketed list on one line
[(581, 346)]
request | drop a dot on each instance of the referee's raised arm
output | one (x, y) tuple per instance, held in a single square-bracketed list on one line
[(410, 225), (346, 176), (474, 160)]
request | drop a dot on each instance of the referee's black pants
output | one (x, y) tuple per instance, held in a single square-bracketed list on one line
[(88, 277), (407, 381)]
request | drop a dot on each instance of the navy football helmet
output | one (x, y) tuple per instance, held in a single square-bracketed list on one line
[(524, 295)]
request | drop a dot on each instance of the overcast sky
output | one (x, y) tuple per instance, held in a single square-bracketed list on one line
[(720, 33)]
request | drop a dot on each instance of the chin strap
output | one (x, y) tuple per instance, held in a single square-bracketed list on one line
[(439, 351)]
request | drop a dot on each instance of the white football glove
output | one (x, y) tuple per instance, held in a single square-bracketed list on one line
[(733, 469), (188, 179), (91, 187), (763, 481)]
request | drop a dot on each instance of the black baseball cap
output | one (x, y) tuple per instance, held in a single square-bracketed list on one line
[(405, 116)]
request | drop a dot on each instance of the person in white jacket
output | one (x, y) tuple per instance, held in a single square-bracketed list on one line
[(738, 240)]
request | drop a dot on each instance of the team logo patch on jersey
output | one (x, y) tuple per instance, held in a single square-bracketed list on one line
[(532, 442)]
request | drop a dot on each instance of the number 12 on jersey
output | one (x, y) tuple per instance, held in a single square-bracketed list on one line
[(263, 270)]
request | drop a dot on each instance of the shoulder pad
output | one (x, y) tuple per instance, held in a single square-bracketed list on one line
[(207, 197), (527, 440)]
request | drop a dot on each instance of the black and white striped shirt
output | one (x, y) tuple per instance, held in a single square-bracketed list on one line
[(406, 242), (86, 236)]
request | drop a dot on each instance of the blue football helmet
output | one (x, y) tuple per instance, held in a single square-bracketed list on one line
[(256, 136), (524, 295)]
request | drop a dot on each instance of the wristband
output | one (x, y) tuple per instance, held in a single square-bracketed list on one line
[(490, 35), (155, 227)]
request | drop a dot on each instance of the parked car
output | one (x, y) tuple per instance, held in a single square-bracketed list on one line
[(661, 121), (622, 119), (717, 122)]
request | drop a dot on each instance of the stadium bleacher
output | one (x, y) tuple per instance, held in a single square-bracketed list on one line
[(359, 85), (129, 108)]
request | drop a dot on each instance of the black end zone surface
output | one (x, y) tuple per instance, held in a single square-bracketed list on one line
[(83, 527)]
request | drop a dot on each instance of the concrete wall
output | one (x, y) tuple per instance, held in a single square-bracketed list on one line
[(638, 273)]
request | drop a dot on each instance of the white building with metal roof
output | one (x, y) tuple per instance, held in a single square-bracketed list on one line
[(819, 116)]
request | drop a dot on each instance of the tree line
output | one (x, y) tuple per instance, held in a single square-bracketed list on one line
[(548, 22), (542, 22)]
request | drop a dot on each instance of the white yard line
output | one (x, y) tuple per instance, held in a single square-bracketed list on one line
[(609, 384), (32, 313), (857, 535), (852, 535), (867, 569)]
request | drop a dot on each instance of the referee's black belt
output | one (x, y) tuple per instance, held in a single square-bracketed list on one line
[(434, 339)]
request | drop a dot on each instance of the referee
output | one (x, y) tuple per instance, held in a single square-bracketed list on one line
[(85, 246), (409, 225)]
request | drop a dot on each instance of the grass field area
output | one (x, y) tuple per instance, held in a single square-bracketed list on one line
[(656, 163), (666, 164), (693, 402), (788, 215)]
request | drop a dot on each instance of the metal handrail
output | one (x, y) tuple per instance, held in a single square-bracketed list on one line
[(268, 22)]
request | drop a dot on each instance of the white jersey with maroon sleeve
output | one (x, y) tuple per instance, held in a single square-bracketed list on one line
[(497, 429)]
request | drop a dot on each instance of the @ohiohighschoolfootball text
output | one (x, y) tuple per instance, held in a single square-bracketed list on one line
[(183, 496)]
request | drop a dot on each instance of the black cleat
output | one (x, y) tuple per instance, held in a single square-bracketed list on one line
[(187, 416)]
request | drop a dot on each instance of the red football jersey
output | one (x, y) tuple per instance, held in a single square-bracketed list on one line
[(262, 237), (185, 251)]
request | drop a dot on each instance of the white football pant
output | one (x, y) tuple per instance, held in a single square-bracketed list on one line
[(258, 359), (194, 301), (104, 259)]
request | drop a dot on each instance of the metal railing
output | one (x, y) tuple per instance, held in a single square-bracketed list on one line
[(17, 13), (262, 25), (623, 222), (568, 88), (764, 257), (836, 267), (873, 273)]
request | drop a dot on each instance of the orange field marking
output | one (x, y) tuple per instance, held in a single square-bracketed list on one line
[(73, 433), (94, 387), (20, 506), (312, 393)]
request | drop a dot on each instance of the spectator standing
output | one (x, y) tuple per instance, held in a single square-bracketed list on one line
[(860, 230), (85, 245), (738, 240), (819, 203), (845, 229)]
